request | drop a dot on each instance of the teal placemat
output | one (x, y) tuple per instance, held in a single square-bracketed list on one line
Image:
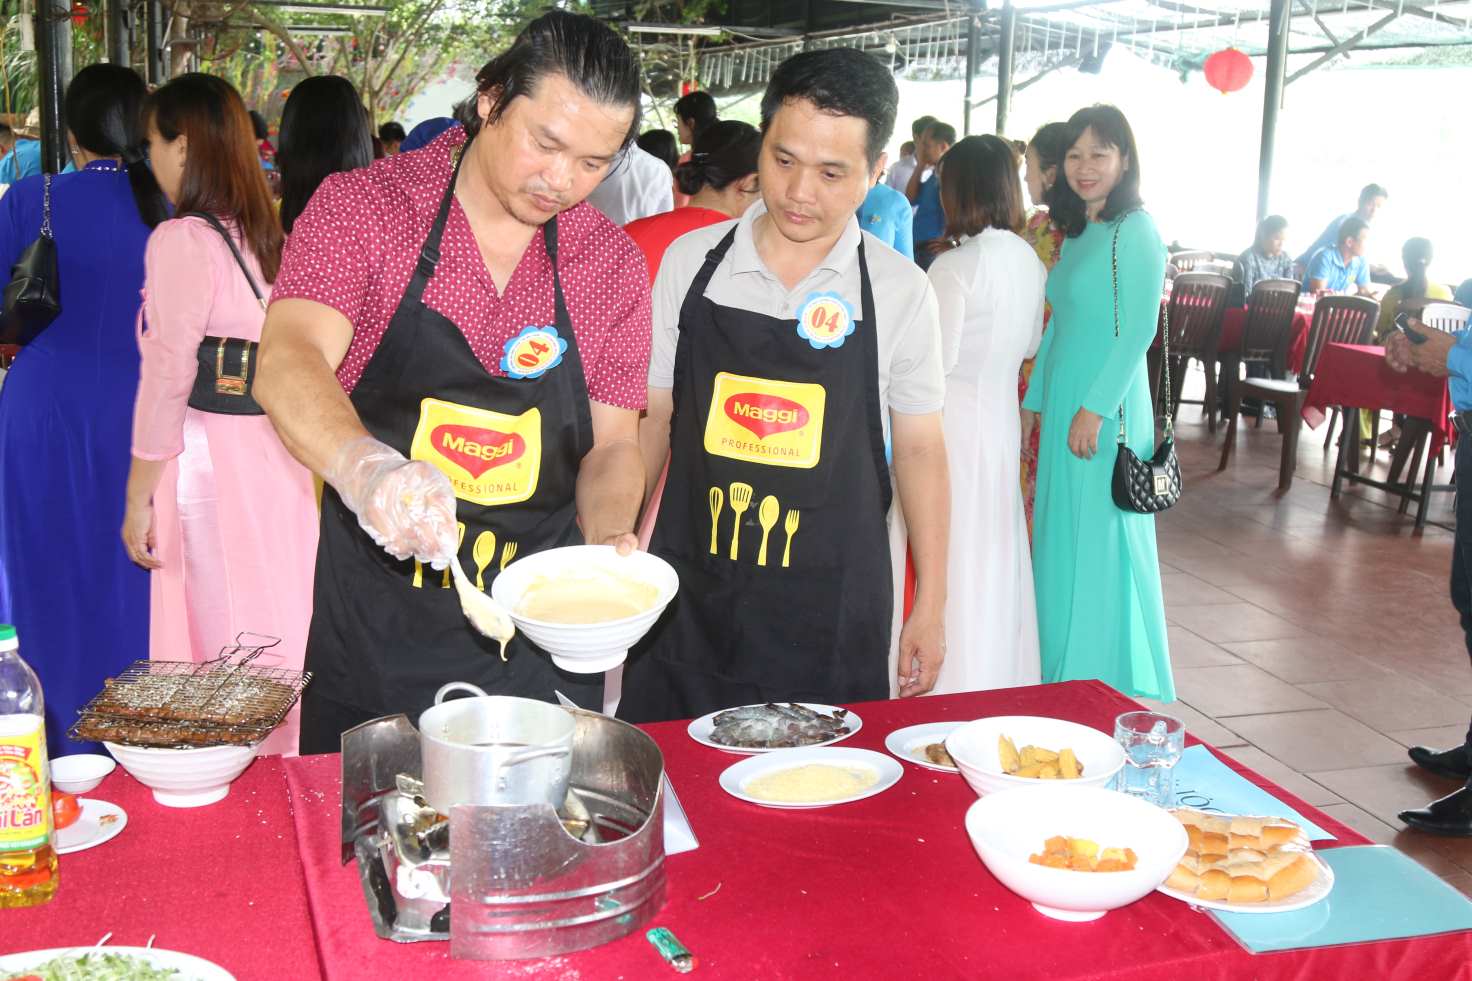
[(1205, 783), (1379, 894)]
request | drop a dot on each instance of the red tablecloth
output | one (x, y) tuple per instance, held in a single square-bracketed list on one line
[(1356, 376), (1235, 319), (222, 882), (887, 887)]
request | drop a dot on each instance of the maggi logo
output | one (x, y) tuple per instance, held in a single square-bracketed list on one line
[(764, 415)]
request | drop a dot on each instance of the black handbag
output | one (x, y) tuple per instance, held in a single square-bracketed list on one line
[(226, 369), (33, 295), (1146, 486)]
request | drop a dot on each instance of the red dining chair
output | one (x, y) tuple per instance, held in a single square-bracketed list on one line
[(1337, 320), (1197, 303), (1267, 332)]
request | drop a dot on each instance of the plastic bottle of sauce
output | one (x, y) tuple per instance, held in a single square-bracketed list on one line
[(27, 855)]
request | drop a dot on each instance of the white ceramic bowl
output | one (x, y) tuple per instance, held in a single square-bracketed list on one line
[(185, 777), (974, 748), (1007, 827), (585, 648), (80, 772)]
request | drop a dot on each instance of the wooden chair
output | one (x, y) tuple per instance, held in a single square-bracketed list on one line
[(1197, 303), (1337, 320), (1445, 316), (1187, 261), (1267, 333)]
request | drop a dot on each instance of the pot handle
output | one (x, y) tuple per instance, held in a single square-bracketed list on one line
[(522, 755), (466, 686)]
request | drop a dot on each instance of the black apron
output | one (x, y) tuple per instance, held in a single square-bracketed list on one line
[(386, 634), (794, 603)]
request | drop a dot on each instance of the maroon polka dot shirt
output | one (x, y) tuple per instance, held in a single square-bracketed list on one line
[(355, 245)]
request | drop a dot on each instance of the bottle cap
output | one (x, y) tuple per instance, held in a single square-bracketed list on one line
[(7, 638)]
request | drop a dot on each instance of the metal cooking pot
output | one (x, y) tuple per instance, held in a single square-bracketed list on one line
[(494, 749)]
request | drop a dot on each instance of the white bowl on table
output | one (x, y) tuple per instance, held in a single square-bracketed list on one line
[(974, 748), (1009, 826), (585, 648), (80, 772), (185, 777)]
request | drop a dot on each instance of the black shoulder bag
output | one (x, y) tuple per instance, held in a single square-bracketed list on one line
[(225, 373), (33, 295), (1145, 486)]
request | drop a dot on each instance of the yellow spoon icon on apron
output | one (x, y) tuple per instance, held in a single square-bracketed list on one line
[(767, 515)]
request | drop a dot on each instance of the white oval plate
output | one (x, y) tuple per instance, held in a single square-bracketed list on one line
[(736, 776), (190, 968), (1307, 896), (909, 743), (89, 830), (701, 728)]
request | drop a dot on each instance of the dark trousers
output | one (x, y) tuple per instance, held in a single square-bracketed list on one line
[(1462, 552)]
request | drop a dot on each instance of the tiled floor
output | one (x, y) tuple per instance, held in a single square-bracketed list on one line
[(1313, 639)]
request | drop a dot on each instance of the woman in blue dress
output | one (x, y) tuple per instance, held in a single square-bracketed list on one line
[(79, 605)]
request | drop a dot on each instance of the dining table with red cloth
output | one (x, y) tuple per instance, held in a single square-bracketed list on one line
[(222, 882), (1234, 321), (884, 887), (1357, 376)]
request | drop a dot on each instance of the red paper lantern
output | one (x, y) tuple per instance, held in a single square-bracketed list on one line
[(1228, 70), (79, 13), (686, 88)]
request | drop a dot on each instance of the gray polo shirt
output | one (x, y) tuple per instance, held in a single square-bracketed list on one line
[(911, 379)]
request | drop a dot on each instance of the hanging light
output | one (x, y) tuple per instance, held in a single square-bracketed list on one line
[(1228, 70)]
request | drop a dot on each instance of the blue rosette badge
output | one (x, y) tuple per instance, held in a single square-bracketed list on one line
[(533, 352)]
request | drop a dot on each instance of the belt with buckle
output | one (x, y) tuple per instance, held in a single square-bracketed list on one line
[(1462, 421)]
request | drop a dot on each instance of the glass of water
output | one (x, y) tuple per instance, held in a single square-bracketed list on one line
[(1153, 743)]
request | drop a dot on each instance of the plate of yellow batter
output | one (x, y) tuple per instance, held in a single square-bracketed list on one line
[(811, 777)]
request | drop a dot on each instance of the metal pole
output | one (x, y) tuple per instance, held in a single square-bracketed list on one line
[(50, 63), (154, 26), (1279, 23), (119, 34), (973, 39), (1004, 65)]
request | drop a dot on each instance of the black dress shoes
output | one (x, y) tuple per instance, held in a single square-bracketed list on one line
[(1452, 815), (1452, 763)]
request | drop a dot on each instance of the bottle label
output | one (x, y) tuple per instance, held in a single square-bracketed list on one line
[(25, 793)]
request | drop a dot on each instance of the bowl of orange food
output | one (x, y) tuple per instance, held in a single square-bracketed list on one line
[(1075, 852)]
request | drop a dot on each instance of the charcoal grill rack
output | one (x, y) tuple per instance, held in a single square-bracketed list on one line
[(190, 704)]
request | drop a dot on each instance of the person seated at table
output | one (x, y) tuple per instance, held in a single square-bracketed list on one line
[(1372, 198), (1447, 355), (1266, 258), (1341, 268), (1410, 295)]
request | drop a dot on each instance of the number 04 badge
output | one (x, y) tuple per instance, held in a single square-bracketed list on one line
[(533, 352), (825, 320)]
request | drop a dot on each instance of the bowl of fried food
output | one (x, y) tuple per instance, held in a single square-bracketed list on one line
[(1075, 852), (1024, 750)]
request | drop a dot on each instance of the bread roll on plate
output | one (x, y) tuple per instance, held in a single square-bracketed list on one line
[(1242, 859)]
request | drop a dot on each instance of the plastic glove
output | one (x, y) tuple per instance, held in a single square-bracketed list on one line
[(406, 506)]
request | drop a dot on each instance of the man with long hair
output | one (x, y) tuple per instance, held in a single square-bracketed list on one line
[(458, 345)]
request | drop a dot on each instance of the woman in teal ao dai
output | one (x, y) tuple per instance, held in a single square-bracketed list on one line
[(1100, 612)]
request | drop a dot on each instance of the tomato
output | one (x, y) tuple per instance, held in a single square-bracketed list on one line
[(64, 810)]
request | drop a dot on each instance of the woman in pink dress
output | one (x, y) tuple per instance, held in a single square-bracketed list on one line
[(216, 507)]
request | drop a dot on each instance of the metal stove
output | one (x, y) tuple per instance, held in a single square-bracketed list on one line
[(529, 881)]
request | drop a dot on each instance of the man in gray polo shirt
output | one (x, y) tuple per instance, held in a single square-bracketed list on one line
[(794, 356)]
